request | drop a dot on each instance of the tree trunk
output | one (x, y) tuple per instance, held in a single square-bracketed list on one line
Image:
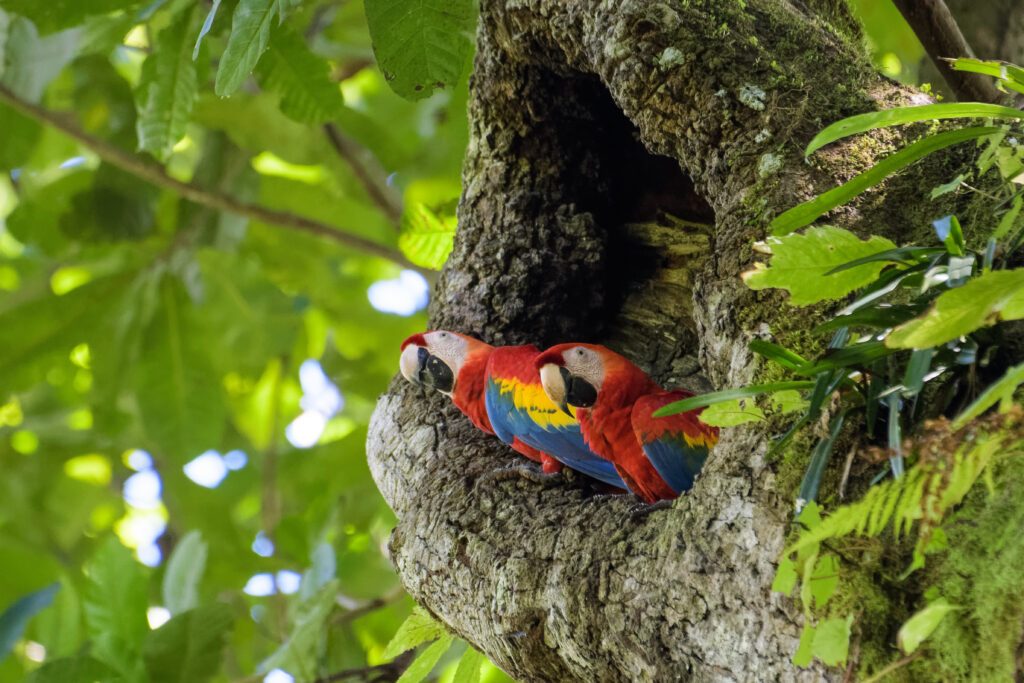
[(590, 121)]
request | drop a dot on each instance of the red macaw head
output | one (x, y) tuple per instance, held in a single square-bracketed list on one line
[(581, 375), (434, 359)]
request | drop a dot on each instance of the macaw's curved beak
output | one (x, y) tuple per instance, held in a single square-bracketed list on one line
[(579, 392), (419, 366), (555, 380)]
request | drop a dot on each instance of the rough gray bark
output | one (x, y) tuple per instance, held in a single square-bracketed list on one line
[(574, 108)]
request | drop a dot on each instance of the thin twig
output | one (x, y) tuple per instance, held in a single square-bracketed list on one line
[(390, 671), (942, 39), (155, 175), (899, 663), (358, 610), (372, 179)]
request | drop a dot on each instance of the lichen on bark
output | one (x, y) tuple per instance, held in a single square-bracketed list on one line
[(588, 117)]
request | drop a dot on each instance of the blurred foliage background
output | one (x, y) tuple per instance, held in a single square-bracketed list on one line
[(185, 390)]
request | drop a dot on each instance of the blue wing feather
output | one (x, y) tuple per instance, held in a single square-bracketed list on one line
[(676, 461), (563, 442)]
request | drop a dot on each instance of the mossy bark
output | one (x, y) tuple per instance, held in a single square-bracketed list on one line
[(589, 117)]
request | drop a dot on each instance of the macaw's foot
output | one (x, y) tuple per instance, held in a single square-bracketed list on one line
[(518, 471), (601, 498), (639, 512)]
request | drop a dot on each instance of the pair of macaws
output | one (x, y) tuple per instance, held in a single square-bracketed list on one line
[(581, 406)]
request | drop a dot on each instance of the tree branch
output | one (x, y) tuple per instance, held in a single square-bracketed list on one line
[(390, 671), (156, 175), (370, 178), (942, 39)]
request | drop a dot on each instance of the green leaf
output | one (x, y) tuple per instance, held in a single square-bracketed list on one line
[(903, 115), (53, 15), (946, 188), (168, 88), (188, 648), (179, 394), (788, 401), (301, 79), (469, 668), (800, 263), (1009, 76), (298, 653), (713, 397), (250, 34), (16, 617), (785, 577), (419, 628), (891, 256), (731, 413), (804, 653), (832, 640), (824, 579), (205, 29), (805, 213), (421, 45), (1000, 391), (427, 238), (115, 604), (985, 300), (79, 669), (787, 358), (184, 572), (426, 661), (1009, 218), (919, 627), (31, 61)]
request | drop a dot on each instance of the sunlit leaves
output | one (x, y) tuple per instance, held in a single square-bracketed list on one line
[(987, 299), (421, 45), (301, 78), (32, 61), (800, 264), (179, 395), (115, 606), (187, 649), (168, 88), (53, 15), (184, 572), (250, 35), (427, 237)]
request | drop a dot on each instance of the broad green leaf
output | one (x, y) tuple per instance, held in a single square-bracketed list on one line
[(1009, 218), (426, 661), (184, 572), (788, 401), (1000, 391), (946, 188), (33, 61), (421, 45), (188, 648), (824, 579), (713, 397), (994, 296), (16, 617), (298, 653), (804, 654), (301, 78), (902, 115), (80, 669), (427, 238), (115, 602), (59, 627), (250, 34), (419, 628), (785, 577), (168, 88), (800, 262), (179, 394), (1009, 76), (53, 15), (919, 627), (731, 413), (832, 640), (805, 213), (470, 665)]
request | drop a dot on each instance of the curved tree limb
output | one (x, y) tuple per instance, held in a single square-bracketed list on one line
[(154, 174), (942, 39)]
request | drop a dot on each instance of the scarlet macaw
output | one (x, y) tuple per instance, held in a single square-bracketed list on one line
[(499, 389), (658, 458)]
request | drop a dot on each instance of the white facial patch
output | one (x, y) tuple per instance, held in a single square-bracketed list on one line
[(449, 347), (585, 364)]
